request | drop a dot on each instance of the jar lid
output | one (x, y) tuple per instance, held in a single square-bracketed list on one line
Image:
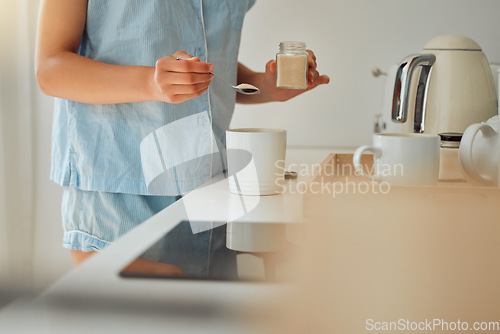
[(451, 136), (292, 46)]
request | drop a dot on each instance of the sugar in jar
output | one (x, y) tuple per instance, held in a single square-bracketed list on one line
[(292, 65)]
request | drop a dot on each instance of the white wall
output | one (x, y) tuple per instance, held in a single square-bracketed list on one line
[(50, 260), (16, 132), (30, 220), (350, 38)]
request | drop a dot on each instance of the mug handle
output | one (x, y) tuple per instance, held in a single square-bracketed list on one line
[(465, 151), (356, 159)]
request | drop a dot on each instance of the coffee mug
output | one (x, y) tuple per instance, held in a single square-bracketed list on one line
[(255, 158), (402, 159), (479, 153), (255, 237)]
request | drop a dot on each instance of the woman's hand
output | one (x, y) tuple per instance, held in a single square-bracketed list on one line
[(267, 82), (181, 77)]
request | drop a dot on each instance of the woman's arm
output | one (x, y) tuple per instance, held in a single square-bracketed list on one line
[(61, 72), (266, 82)]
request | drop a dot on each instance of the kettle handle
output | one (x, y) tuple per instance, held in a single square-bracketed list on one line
[(402, 89)]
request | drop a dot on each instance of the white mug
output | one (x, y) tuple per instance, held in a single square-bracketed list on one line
[(255, 237), (404, 159), (479, 153), (256, 159)]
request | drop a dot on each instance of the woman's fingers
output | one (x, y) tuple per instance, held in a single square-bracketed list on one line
[(181, 55), (186, 63), (180, 77), (271, 66), (320, 80), (175, 93), (181, 97), (183, 78), (188, 89), (312, 73), (184, 97)]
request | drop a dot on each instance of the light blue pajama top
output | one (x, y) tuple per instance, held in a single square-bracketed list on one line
[(97, 147)]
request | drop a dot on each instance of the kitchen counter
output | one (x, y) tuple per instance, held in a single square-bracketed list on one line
[(416, 252), (94, 296)]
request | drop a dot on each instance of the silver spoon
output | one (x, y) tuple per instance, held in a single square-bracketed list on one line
[(243, 88)]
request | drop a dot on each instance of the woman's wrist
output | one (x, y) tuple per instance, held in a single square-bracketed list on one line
[(151, 90)]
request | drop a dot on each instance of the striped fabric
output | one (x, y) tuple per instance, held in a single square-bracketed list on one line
[(92, 220), (97, 147)]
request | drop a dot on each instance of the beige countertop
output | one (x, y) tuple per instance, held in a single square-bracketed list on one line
[(425, 251)]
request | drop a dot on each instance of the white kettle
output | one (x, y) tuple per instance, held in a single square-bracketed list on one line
[(455, 87)]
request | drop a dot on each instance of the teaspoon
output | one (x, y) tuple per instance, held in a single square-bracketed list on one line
[(243, 88)]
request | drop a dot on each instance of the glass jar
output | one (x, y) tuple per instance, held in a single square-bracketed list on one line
[(449, 163), (292, 65)]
